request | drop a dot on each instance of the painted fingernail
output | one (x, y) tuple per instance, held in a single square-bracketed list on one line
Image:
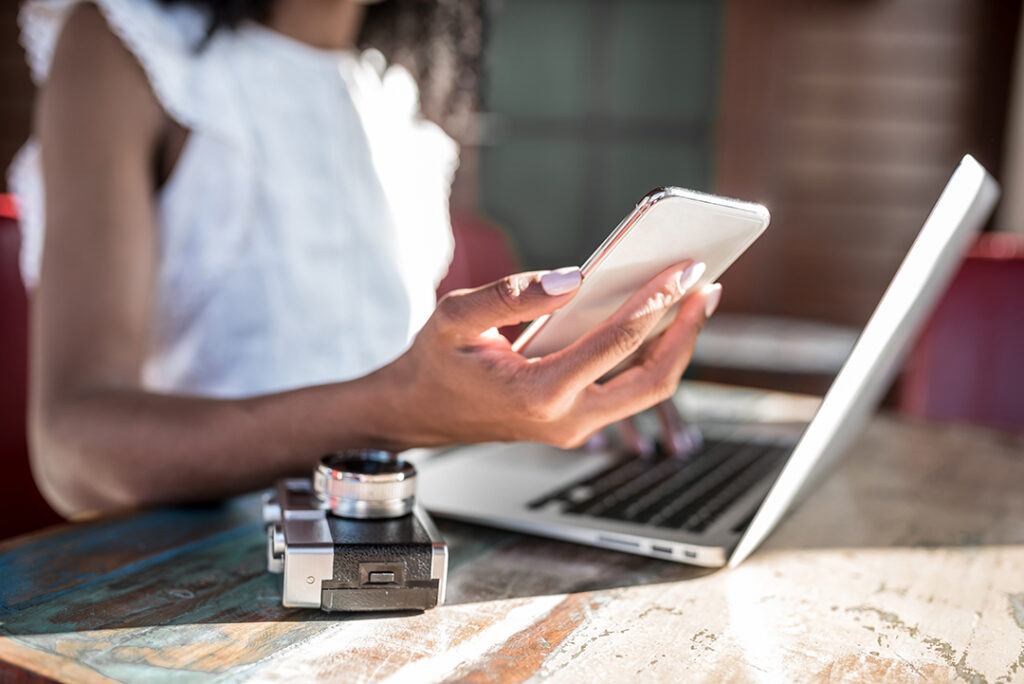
[(712, 298), (689, 276), (561, 281)]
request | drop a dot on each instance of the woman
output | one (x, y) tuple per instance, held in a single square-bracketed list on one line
[(245, 220)]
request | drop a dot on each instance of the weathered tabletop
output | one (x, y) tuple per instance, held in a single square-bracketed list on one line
[(906, 565)]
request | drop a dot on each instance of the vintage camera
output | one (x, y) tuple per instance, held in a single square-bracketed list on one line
[(354, 539)]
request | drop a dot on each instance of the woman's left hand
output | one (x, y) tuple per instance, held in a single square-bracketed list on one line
[(461, 382)]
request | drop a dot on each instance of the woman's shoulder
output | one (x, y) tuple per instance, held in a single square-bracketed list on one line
[(157, 34), (89, 60), (165, 40)]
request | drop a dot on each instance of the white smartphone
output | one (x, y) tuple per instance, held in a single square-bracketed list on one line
[(667, 226)]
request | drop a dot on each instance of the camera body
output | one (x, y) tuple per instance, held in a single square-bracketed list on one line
[(382, 552)]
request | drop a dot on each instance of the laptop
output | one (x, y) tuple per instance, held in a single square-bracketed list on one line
[(717, 505)]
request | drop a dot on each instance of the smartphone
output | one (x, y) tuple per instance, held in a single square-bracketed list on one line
[(668, 225)]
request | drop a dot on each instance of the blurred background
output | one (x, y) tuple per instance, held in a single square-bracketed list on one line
[(844, 117)]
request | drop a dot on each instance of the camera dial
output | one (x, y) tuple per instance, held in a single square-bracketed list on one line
[(365, 484)]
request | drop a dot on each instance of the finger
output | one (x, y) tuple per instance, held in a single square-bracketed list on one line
[(670, 353), (679, 437), (607, 344), (633, 440), (655, 378), (512, 300)]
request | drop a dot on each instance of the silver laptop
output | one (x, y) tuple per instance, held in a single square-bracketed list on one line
[(716, 506)]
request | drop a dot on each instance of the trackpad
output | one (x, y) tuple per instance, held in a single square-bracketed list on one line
[(502, 474)]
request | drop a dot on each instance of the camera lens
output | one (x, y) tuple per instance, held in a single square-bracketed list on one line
[(365, 484), (364, 462)]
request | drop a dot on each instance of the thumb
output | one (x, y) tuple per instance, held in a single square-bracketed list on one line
[(512, 300)]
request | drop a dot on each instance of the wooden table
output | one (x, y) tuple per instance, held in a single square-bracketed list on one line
[(906, 565)]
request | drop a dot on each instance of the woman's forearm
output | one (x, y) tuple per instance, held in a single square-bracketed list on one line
[(99, 447), (104, 449)]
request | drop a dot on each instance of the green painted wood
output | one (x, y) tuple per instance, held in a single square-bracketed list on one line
[(209, 607), (168, 618), (44, 568)]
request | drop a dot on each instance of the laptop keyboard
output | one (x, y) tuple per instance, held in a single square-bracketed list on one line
[(680, 494)]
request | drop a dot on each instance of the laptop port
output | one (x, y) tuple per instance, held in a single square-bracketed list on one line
[(657, 548), (619, 541)]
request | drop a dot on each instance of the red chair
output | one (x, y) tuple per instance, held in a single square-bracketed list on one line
[(482, 255), (22, 508), (968, 364)]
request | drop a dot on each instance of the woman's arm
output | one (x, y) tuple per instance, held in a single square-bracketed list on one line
[(100, 442)]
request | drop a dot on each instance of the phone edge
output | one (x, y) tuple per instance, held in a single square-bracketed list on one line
[(645, 204)]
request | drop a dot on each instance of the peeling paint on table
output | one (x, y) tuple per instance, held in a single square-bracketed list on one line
[(907, 565)]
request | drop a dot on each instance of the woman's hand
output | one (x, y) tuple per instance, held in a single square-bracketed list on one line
[(461, 382)]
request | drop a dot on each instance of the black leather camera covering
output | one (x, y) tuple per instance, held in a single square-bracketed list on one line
[(400, 545)]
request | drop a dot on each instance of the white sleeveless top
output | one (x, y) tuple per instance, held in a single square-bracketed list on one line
[(305, 226)]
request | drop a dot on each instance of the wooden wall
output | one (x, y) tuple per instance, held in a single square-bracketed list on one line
[(846, 118)]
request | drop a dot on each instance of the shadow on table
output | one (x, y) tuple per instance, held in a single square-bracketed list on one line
[(488, 564), (84, 579)]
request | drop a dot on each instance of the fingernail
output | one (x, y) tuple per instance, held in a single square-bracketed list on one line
[(713, 297), (689, 276), (561, 281)]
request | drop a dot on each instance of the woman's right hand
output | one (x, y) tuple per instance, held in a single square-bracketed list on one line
[(461, 382)]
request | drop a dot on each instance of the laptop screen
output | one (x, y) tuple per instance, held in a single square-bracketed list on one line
[(962, 208)]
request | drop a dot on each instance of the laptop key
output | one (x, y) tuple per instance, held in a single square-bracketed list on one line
[(669, 492), (598, 484), (652, 475), (770, 460), (634, 505), (609, 484), (682, 505), (683, 514)]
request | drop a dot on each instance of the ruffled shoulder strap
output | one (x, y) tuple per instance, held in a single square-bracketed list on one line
[(187, 79), (165, 40)]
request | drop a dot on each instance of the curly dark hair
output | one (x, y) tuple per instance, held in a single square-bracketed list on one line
[(438, 41)]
